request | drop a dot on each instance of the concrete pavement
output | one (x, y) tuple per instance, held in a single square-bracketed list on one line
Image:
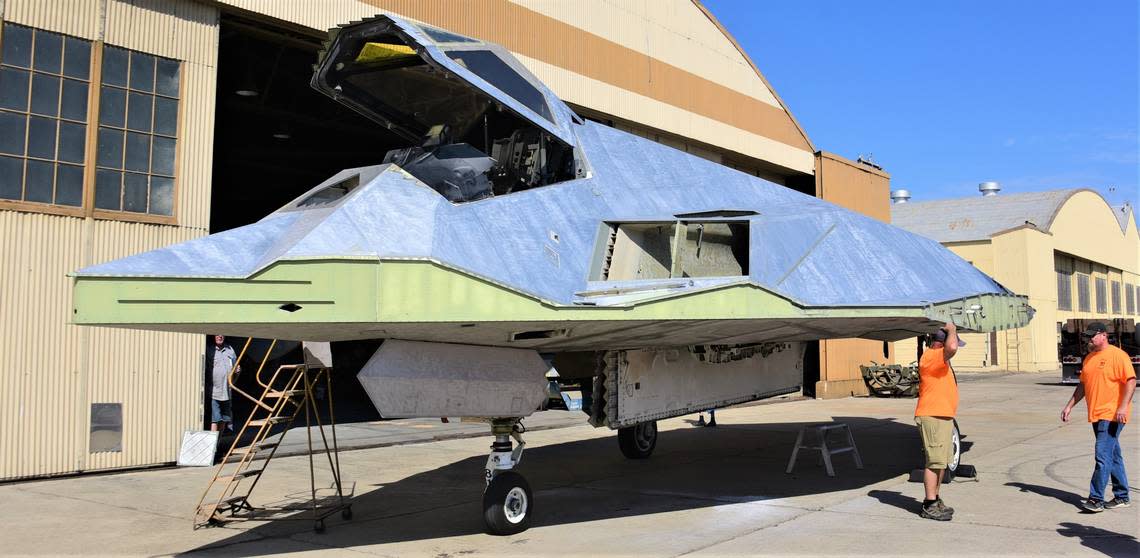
[(705, 492)]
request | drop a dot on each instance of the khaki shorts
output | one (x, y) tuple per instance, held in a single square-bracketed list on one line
[(937, 440)]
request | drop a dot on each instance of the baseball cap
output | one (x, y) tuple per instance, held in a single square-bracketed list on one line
[(940, 337), (1094, 328)]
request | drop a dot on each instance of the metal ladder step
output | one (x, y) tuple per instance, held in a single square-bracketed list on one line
[(239, 453), (208, 510), (241, 475), (257, 447), (270, 420), (276, 394)]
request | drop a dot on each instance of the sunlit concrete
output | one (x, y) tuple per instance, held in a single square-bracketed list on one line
[(706, 491)]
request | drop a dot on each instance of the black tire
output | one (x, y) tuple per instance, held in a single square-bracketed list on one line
[(346, 513), (508, 504), (319, 527), (638, 441)]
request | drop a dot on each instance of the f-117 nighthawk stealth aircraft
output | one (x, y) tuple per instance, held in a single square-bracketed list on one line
[(510, 233)]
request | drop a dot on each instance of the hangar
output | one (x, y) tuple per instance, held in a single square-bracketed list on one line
[(1069, 251), (132, 124)]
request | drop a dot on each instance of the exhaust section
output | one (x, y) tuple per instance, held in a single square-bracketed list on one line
[(643, 385)]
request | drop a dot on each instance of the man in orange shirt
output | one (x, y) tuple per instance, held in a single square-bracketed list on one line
[(1108, 382), (937, 406)]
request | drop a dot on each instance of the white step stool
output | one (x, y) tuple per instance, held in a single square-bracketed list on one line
[(825, 450)]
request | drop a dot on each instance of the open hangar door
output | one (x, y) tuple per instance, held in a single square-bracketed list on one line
[(275, 138)]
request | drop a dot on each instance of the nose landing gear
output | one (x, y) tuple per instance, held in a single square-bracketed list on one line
[(508, 503)]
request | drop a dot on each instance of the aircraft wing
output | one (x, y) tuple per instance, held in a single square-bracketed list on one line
[(517, 224)]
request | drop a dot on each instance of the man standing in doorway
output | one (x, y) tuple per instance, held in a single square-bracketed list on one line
[(223, 360), (1107, 382), (934, 414)]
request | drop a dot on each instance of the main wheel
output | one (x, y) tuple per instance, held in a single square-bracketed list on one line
[(638, 441), (956, 455), (508, 504)]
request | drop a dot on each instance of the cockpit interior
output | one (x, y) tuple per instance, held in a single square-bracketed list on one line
[(462, 141)]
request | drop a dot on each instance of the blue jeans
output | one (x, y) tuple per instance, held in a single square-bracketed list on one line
[(1109, 462)]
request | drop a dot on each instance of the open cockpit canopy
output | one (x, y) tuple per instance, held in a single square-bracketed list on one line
[(477, 122)]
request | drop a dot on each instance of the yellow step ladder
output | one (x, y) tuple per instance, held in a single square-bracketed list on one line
[(286, 396)]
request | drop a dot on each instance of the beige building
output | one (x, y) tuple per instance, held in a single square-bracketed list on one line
[(1072, 254), (126, 125)]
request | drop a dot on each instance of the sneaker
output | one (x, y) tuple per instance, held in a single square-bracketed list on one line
[(943, 506), (1117, 503), (936, 512), (1093, 506)]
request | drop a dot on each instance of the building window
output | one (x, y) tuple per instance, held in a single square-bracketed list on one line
[(1101, 295), (138, 121), (1064, 290), (1083, 293), (1129, 300), (44, 83), (46, 89), (1116, 297)]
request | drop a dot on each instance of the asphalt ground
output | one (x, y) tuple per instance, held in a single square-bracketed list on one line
[(705, 491)]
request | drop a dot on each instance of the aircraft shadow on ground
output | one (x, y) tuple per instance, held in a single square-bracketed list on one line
[(590, 480)]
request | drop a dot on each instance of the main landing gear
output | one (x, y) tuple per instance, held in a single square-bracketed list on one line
[(508, 503), (638, 441)]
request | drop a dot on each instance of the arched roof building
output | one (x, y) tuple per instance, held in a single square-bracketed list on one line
[(1072, 253)]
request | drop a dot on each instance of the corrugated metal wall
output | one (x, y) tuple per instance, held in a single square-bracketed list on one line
[(79, 18), (54, 371), (41, 378)]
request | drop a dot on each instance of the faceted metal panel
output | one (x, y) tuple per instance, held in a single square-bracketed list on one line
[(408, 379)]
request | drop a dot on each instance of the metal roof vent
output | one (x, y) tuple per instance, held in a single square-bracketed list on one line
[(900, 196), (989, 188)]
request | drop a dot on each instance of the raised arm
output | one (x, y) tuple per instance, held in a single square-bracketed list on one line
[(950, 347)]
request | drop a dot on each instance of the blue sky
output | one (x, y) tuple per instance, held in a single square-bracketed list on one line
[(1036, 95)]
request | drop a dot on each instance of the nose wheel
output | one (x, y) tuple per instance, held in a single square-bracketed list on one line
[(508, 502)]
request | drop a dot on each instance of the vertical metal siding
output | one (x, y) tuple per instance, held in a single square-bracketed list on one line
[(78, 18), (40, 377), (317, 15), (196, 145), (179, 29), (55, 370), (154, 375)]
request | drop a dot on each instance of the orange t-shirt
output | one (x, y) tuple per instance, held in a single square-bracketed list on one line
[(1104, 374), (937, 389)]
